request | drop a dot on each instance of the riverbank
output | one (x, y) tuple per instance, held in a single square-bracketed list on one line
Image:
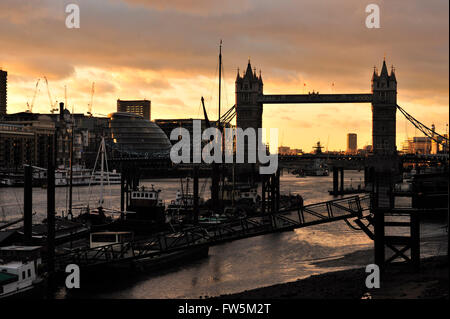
[(398, 282)]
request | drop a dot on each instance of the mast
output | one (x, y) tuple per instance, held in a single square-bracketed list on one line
[(220, 77), (71, 173), (221, 174), (102, 168)]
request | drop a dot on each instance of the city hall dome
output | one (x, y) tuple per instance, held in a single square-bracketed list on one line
[(133, 135)]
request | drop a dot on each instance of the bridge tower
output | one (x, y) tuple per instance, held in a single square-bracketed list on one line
[(384, 107), (249, 88), (384, 162)]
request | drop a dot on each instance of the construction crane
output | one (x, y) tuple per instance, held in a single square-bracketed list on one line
[(92, 100), (52, 105), (30, 106)]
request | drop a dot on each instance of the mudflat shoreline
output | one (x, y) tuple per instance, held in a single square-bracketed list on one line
[(397, 282)]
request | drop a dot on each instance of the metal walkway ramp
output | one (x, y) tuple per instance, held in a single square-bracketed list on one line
[(159, 244)]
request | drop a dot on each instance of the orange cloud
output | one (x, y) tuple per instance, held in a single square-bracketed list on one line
[(166, 51)]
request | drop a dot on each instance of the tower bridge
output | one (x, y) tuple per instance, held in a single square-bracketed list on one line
[(250, 99)]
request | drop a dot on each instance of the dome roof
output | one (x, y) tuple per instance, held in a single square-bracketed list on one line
[(132, 134)]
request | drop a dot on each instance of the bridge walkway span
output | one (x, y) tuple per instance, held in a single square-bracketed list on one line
[(159, 244)]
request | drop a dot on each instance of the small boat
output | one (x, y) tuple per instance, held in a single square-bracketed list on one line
[(240, 192), (19, 271), (158, 261), (182, 207), (145, 213), (113, 178)]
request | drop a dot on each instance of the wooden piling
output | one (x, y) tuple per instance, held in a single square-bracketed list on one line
[(27, 204), (342, 179), (51, 204), (122, 190), (335, 179), (196, 208)]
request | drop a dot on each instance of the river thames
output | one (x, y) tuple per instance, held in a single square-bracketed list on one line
[(239, 265)]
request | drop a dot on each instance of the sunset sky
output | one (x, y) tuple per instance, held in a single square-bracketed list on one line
[(166, 51)]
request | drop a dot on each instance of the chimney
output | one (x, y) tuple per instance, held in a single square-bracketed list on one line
[(61, 111)]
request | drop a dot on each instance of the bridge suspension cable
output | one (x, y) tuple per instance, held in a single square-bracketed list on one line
[(228, 115), (438, 138)]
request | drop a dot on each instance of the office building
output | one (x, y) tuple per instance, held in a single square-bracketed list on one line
[(139, 107), (352, 144), (3, 91)]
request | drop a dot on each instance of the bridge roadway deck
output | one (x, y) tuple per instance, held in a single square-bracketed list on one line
[(315, 98), (159, 244)]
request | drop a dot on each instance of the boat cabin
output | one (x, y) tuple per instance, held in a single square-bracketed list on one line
[(146, 205), (144, 197), (18, 269), (242, 192), (108, 238)]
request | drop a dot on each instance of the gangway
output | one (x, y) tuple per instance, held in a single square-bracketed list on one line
[(159, 244)]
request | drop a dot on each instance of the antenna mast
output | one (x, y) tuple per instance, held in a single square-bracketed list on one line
[(220, 76)]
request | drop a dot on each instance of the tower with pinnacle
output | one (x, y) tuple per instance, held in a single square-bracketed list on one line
[(249, 88), (384, 107)]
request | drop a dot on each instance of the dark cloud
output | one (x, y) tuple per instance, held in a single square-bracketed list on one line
[(293, 42)]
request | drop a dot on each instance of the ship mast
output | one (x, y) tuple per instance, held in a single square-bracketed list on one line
[(220, 78), (221, 176)]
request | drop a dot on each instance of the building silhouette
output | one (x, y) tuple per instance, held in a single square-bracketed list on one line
[(352, 143), (139, 107), (418, 145), (3, 91)]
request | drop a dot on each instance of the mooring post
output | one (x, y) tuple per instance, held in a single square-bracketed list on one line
[(415, 239), (272, 193), (215, 187), (378, 228), (51, 207), (366, 172), (196, 208), (263, 194), (27, 204), (277, 193), (122, 190), (335, 180), (127, 187), (342, 179)]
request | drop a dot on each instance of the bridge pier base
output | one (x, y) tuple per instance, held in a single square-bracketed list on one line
[(383, 205)]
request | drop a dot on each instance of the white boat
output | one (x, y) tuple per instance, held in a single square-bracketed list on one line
[(112, 177), (240, 191), (183, 201), (19, 271), (80, 176)]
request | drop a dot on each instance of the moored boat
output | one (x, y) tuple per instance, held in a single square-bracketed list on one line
[(20, 271)]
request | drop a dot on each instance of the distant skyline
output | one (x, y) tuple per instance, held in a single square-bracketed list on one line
[(167, 53)]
